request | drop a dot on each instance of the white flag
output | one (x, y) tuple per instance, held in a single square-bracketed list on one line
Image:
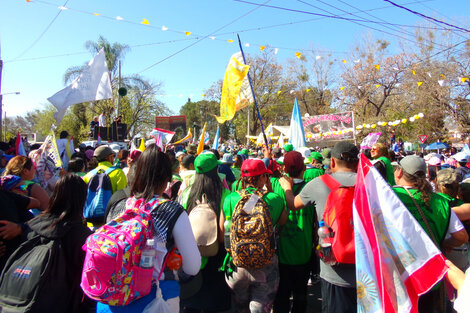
[(92, 84)]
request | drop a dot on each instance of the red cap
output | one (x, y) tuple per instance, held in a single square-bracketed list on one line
[(293, 161), (135, 154), (253, 167)]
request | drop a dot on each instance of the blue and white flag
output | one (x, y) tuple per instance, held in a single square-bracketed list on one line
[(215, 144), (296, 131)]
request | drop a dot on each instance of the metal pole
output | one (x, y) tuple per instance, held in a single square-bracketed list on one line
[(119, 86), (248, 127)]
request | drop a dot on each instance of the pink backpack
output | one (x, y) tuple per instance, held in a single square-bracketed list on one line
[(111, 272)]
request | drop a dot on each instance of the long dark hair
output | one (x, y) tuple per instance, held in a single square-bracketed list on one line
[(209, 184), (152, 173), (67, 199)]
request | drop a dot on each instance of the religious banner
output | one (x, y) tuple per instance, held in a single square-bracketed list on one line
[(370, 140), (335, 126)]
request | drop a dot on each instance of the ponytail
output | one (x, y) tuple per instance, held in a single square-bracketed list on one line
[(420, 182)]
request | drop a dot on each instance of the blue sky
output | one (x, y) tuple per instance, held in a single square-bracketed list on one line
[(34, 65)]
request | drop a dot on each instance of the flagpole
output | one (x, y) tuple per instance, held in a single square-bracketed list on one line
[(253, 92)]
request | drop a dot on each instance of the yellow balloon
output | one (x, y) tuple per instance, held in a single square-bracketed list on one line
[(384, 124), (416, 117), (373, 126), (404, 120)]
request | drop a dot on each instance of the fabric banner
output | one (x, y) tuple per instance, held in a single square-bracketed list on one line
[(215, 144), (92, 84), (164, 135), (236, 91), (200, 146), (296, 131), (48, 162), (19, 146), (396, 261), (187, 138), (335, 126), (370, 140)]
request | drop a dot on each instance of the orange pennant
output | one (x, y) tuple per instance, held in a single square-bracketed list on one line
[(187, 33), (298, 54), (262, 48), (377, 66)]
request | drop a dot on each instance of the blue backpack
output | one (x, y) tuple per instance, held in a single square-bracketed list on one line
[(100, 191)]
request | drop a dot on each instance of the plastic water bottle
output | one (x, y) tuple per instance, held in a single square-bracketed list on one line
[(148, 255), (227, 226), (324, 249)]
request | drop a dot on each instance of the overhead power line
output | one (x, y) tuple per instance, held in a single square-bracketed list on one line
[(43, 33), (427, 17)]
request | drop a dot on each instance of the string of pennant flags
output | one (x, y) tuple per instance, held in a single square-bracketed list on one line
[(298, 52)]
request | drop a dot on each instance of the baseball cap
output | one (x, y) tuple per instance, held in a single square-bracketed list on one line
[(227, 158), (448, 176), (413, 164), (293, 162), (317, 156), (253, 167), (461, 157), (102, 152), (135, 154), (179, 153), (205, 162), (288, 147), (345, 150)]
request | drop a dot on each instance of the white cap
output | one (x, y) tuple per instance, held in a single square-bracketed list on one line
[(150, 242)]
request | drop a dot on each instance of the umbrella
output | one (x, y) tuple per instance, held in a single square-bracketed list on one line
[(437, 146)]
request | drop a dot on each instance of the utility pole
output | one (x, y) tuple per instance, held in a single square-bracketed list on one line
[(119, 86)]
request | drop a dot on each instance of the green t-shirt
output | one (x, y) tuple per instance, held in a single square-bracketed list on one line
[(296, 240), (312, 173), (437, 214), (274, 202)]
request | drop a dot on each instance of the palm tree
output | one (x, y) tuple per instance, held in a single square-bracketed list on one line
[(113, 53)]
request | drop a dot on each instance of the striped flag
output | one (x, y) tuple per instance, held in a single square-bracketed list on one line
[(162, 136), (19, 146), (215, 144), (396, 261), (296, 131)]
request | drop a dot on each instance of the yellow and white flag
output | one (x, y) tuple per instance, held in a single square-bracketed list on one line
[(200, 146), (187, 138), (236, 91)]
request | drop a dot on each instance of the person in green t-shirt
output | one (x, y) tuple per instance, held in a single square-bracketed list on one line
[(295, 243), (255, 289), (379, 152), (214, 295), (315, 167), (416, 194)]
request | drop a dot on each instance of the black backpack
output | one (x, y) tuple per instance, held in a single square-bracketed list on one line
[(34, 276)]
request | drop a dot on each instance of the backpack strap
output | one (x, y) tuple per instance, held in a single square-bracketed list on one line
[(110, 170), (330, 181)]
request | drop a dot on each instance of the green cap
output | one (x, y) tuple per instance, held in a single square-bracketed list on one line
[(317, 156), (288, 147), (205, 162), (244, 151)]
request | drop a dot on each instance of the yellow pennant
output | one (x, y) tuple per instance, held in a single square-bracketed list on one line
[(298, 55), (464, 79), (377, 66), (187, 33), (307, 90), (341, 88), (279, 92), (413, 72), (200, 146), (203, 95), (262, 48), (419, 83), (443, 76), (96, 14), (230, 40), (344, 61), (145, 22), (378, 85)]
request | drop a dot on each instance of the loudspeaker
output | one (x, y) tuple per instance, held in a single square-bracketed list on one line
[(117, 132)]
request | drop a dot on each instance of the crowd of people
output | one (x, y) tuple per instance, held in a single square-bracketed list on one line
[(287, 188)]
